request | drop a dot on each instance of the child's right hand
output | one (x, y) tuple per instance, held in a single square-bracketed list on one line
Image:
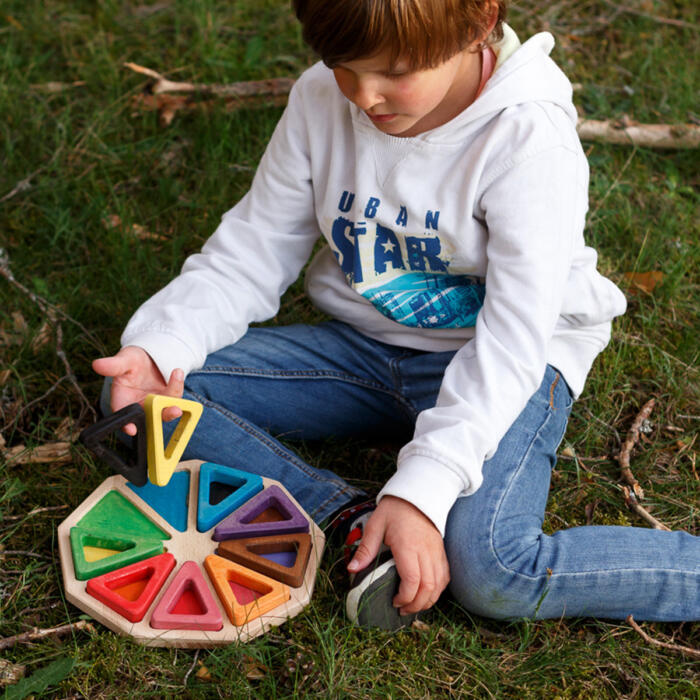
[(134, 375)]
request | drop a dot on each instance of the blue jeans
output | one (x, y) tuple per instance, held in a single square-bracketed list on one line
[(311, 382)]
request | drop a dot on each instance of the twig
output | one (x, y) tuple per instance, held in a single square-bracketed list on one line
[(655, 18), (52, 312), (26, 407), (36, 633), (54, 452), (168, 106), (191, 668), (630, 133), (689, 651), (21, 186), (34, 511), (46, 306), (633, 505), (21, 552), (69, 371), (251, 88), (632, 438), (159, 96)]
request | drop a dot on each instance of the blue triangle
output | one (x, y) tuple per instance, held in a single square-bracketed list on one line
[(169, 501), (244, 485)]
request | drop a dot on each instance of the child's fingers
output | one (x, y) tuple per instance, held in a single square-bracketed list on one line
[(109, 366), (175, 387), (368, 548), (408, 567)]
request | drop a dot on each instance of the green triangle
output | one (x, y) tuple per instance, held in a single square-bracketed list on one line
[(114, 513), (129, 549)]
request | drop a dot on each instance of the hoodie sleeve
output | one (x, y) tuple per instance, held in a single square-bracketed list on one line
[(243, 269), (534, 208)]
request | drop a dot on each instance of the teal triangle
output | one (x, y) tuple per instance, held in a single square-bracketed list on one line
[(169, 501), (114, 513), (244, 484)]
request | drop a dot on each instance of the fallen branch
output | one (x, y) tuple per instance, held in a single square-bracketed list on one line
[(626, 450), (630, 133), (249, 88), (688, 651), (36, 633), (168, 106), (256, 93), (54, 452), (632, 503)]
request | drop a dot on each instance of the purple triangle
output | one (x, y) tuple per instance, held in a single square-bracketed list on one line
[(239, 524)]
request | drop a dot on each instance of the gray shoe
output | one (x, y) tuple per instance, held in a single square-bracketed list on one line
[(369, 601)]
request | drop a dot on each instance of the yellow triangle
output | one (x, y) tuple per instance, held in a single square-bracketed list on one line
[(163, 460), (96, 553)]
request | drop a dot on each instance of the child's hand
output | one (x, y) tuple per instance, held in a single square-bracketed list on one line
[(134, 375), (418, 551)]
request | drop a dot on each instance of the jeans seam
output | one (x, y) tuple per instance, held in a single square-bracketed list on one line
[(262, 437), (299, 374), (496, 555), (316, 374), (399, 386)]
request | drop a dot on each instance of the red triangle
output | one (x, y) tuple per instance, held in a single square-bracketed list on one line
[(130, 590), (187, 604)]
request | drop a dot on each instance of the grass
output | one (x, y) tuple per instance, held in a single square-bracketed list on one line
[(88, 157)]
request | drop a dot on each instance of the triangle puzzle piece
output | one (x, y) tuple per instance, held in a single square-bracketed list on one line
[(227, 576), (97, 552), (187, 604), (169, 501), (257, 553), (242, 523), (115, 514), (163, 460), (131, 590), (245, 486), (136, 468)]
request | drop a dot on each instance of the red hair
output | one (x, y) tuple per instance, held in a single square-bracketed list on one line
[(425, 33)]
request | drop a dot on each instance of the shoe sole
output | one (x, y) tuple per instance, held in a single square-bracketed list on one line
[(369, 603)]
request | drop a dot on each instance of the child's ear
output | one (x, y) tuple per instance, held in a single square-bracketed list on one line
[(493, 18)]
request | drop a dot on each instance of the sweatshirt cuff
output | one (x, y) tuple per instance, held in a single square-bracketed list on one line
[(428, 485), (167, 351)]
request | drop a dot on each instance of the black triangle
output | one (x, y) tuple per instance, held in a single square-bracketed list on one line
[(135, 469)]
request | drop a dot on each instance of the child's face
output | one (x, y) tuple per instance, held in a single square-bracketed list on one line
[(403, 103)]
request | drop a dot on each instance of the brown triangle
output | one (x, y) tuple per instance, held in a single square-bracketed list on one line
[(250, 552)]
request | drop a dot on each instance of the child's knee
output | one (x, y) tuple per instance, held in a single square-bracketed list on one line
[(487, 582)]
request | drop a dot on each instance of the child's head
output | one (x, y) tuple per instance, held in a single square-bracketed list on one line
[(424, 33)]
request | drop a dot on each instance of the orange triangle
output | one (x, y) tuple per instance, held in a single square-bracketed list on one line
[(224, 573), (250, 552)]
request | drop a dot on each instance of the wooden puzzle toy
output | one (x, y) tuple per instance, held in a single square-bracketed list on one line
[(163, 460), (94, 436), (216, 555)]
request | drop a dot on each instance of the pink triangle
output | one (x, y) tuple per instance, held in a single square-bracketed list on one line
[(187, 604)]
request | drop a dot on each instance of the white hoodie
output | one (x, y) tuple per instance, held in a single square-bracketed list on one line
[(468, 237)]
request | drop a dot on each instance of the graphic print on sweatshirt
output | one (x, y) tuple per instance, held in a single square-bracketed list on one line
[(404, 274)]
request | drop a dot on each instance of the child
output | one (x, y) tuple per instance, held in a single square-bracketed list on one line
[(439, 160)]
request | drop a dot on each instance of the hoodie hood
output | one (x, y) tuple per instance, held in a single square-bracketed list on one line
[(524, 73)]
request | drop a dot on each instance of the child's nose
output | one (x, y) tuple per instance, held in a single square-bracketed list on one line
[(367, 93)]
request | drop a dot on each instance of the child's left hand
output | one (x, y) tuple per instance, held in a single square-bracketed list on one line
[(418, 550)]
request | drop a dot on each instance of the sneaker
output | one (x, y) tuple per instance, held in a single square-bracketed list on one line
[(372, 590)]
